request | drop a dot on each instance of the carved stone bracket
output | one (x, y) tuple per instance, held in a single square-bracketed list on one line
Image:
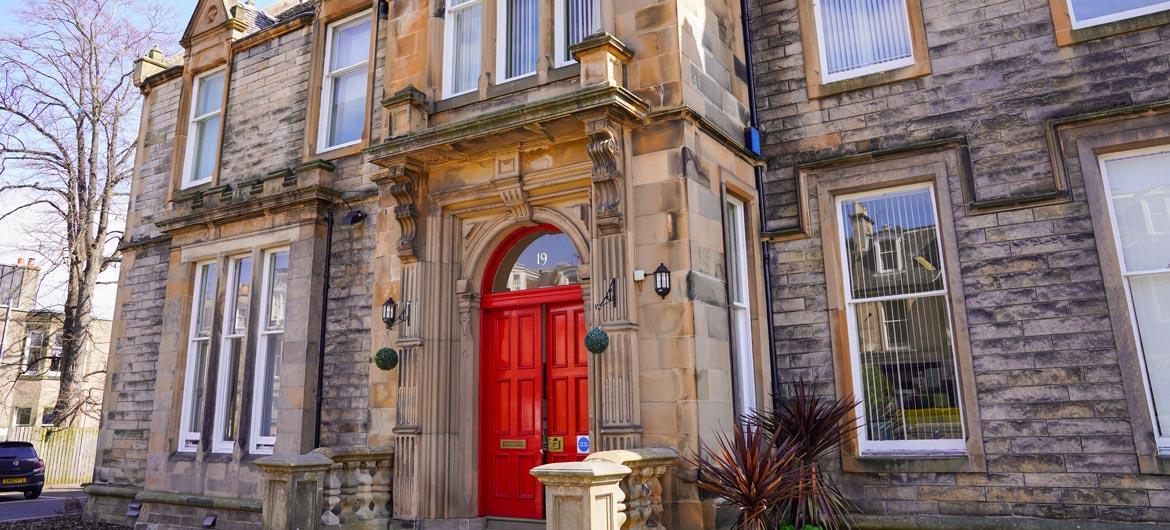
[(402, 181), (605, 150), (511, 187)]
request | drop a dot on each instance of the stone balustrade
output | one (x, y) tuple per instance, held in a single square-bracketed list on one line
[(609, 490), (344, 488)]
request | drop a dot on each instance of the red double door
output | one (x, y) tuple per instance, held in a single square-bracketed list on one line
[(534, 397)]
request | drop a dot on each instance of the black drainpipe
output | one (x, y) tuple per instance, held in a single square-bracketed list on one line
[(752, 138), (324, 320)]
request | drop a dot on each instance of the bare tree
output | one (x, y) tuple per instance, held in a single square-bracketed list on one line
[(68, 128)]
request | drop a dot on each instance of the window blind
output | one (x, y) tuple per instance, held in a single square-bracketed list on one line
[(856, 34), (523, 38)]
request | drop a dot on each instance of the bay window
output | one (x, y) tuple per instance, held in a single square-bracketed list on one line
[(739, 290), (901, 346), (1133, 182), (342, 115), (269, 346), (518, 45), (574, 20), (206, 112), (235, 329), (463, 36), (198, 352)]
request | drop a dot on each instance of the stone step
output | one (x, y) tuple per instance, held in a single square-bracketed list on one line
[(504, 523)]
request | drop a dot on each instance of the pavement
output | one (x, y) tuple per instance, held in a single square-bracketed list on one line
[(14, 506)]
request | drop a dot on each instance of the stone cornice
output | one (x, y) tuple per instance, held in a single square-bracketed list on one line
[(415, 144), (313, 196)]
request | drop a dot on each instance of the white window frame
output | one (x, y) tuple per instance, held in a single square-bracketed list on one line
[(193, 127), (326, 108), (877, 250), (1162, 440), (1148, 209), (263, 444), (739, 304), (189, 440), (953, 446), (448, 47), (26, 357), (503, 44), (827, 78), (561, 32), (1122, 15), (54, 347), (223, 368), (893, 343), (16, 417)]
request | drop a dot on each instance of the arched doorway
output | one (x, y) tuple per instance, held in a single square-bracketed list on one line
[(534, 375)]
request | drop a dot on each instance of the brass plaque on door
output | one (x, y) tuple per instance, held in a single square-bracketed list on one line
[(514, 444), (556, 444)]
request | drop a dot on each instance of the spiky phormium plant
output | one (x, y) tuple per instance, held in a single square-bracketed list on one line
[(816, 426)]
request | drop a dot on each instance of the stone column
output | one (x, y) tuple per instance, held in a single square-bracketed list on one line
[(583, 495), (292, 491)]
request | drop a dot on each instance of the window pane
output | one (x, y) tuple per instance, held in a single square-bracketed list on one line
[(277, 289), (523, 37), (582, 19), (898, 222), (242, 290), (350, 46), (23, 416), (234, 349), (346, 113), (860, 33), (1089, 9), (271, 382), (209, 94), (205, 301), (735, 245), (1139, 187), (910, 390), (466, 40), (543, 259), (1151, 305), (206, 148), (198, 379)]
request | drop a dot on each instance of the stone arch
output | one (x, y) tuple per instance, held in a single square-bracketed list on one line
[(481, 248)]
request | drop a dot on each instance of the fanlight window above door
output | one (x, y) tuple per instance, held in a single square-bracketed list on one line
[(536, 260)]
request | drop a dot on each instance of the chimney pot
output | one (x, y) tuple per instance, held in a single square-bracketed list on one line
[(32, 262), (19, 262)]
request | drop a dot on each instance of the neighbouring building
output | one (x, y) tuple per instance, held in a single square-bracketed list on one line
[(30, 353), (968, 230), (511, 174)]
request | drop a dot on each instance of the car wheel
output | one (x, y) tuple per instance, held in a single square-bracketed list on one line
[(32, 494)]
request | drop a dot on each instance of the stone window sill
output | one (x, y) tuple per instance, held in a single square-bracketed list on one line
[(508, 88), (1066, 35), (913, 463)]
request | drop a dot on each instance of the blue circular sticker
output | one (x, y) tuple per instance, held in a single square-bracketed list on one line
[(582, 443)]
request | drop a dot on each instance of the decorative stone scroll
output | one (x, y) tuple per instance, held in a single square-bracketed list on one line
[(605, 151), (402, 181)]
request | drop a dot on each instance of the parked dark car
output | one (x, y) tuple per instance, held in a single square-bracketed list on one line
[(21, 469)]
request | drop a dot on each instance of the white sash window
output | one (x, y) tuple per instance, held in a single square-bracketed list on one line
[(231, 350), (343, 91), (1132, 180), (269, 346), (202, 151), (518, 41), (198, 349), (739, 289), (463, 38), (574, 20), (901, 347), (1085, 13), (861, 37)]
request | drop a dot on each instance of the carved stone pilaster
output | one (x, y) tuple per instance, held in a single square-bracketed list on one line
[(402, 181)]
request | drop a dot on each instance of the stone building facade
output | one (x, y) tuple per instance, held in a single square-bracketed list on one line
[(1030, 138), (299, 167)]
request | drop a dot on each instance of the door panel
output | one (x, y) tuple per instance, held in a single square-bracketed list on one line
[(511, 405), (568, 381)]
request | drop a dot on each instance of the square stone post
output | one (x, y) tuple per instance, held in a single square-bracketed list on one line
[(292, 491), (583, 495)]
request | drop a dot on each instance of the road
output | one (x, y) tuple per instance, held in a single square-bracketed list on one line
[(51, 502)]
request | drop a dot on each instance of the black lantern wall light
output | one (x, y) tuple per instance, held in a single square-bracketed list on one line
[(387, 358), (662, 280)]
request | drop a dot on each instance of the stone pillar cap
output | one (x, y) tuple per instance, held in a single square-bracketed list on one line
[(580, 471), (291, 463), (602, 40), (637, 454)]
